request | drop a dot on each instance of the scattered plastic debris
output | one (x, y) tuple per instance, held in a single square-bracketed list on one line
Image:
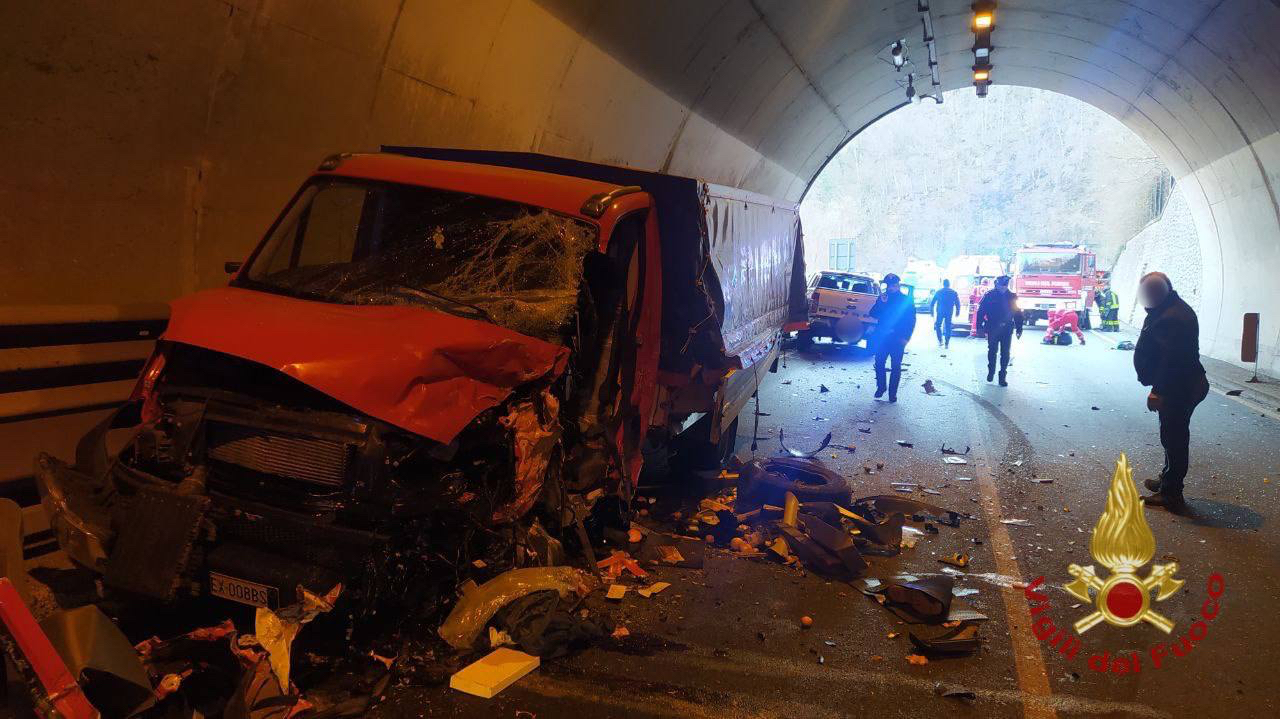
[(488, 676), (800, 453)]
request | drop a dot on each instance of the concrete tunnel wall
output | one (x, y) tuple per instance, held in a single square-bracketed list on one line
[(143, 143)]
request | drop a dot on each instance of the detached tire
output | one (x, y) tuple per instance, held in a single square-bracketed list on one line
[(767, 481)]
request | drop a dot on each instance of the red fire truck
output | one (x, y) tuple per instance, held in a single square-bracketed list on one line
[(1059, 276)]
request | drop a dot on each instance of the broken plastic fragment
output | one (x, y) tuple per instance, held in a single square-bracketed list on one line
[(479, 603), (652, 589), (800, 453), (490, 675), (276, 629)]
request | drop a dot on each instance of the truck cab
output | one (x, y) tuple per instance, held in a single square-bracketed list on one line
[(433, 360), (1061, 276)]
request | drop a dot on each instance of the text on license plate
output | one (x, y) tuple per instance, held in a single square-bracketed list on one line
[(239, 590)]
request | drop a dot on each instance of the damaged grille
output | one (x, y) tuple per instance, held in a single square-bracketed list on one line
[(308, 459)]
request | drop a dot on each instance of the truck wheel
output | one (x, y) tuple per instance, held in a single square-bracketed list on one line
[(1085, 322), (804, 338), (767, 481)]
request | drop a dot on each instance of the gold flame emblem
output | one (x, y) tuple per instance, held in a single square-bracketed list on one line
[(1122, 542)]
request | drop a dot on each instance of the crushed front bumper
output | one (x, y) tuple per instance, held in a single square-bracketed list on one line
[(78, 517)]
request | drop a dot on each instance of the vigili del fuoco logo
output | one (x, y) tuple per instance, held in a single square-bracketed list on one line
[(1122, 542)]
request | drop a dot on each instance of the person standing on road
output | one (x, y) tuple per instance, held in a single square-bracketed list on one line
[(895, 321), (944, 305), (1000, 318), (1167, 359), (1109, 309)]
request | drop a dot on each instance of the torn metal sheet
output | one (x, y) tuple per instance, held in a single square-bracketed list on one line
[(926, 600), (835, 541), (24, 646), (801, 453), (101, 658), (958, 640), (812, 554), (886, 504), (433, 373), (536, 431)]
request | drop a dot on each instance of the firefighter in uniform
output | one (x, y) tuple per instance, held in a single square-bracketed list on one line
[(1109, 309)]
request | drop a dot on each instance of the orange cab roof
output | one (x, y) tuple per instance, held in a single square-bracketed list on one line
[(560, 193)]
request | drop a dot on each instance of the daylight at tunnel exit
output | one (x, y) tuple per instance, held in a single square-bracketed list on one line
[(670, 359)]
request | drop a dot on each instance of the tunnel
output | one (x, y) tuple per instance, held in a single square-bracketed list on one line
[(158, 143), (147, 147)]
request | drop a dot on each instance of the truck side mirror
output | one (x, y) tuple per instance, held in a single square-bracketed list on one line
[(232, 267)]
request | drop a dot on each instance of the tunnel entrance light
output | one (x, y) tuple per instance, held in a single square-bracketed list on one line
[(984, 15), (984, 20)]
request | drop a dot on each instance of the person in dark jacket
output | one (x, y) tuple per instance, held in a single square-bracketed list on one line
[(1167, 359), (1000, 318), (895, 321), (944, 305)]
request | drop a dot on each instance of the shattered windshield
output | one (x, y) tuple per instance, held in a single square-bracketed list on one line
[(374, 243)]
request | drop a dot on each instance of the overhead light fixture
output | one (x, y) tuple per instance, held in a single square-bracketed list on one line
[(898, 53), (984, 14), (984, 21)]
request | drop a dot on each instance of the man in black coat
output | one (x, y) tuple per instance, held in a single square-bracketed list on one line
[(1167, 358), (895, 321), (944, 305), (999, 316)]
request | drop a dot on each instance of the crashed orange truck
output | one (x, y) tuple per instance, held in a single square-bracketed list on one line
[(433, 357)]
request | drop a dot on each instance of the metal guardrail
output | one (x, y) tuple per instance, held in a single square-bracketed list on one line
[(72, 358)]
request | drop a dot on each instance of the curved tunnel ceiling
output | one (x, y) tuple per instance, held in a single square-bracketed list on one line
[(179, 128)]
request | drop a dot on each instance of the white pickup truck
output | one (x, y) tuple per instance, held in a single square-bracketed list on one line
[(840, 306)]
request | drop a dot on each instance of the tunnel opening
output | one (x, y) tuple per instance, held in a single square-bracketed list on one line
[(959, 190)]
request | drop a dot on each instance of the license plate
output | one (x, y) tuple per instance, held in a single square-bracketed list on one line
[(239, 590)]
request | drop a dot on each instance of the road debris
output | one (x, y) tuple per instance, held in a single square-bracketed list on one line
[(479, 603), (802, 453), (929, 388), (652, 589), (1016, 522), (488, 676)]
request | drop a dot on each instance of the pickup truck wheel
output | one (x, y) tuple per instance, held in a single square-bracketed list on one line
[(767, 481)]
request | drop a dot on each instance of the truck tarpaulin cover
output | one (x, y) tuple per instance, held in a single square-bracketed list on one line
[(427, 372), (745, 249)]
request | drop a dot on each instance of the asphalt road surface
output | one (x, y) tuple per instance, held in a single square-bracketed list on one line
[(725, 641)]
